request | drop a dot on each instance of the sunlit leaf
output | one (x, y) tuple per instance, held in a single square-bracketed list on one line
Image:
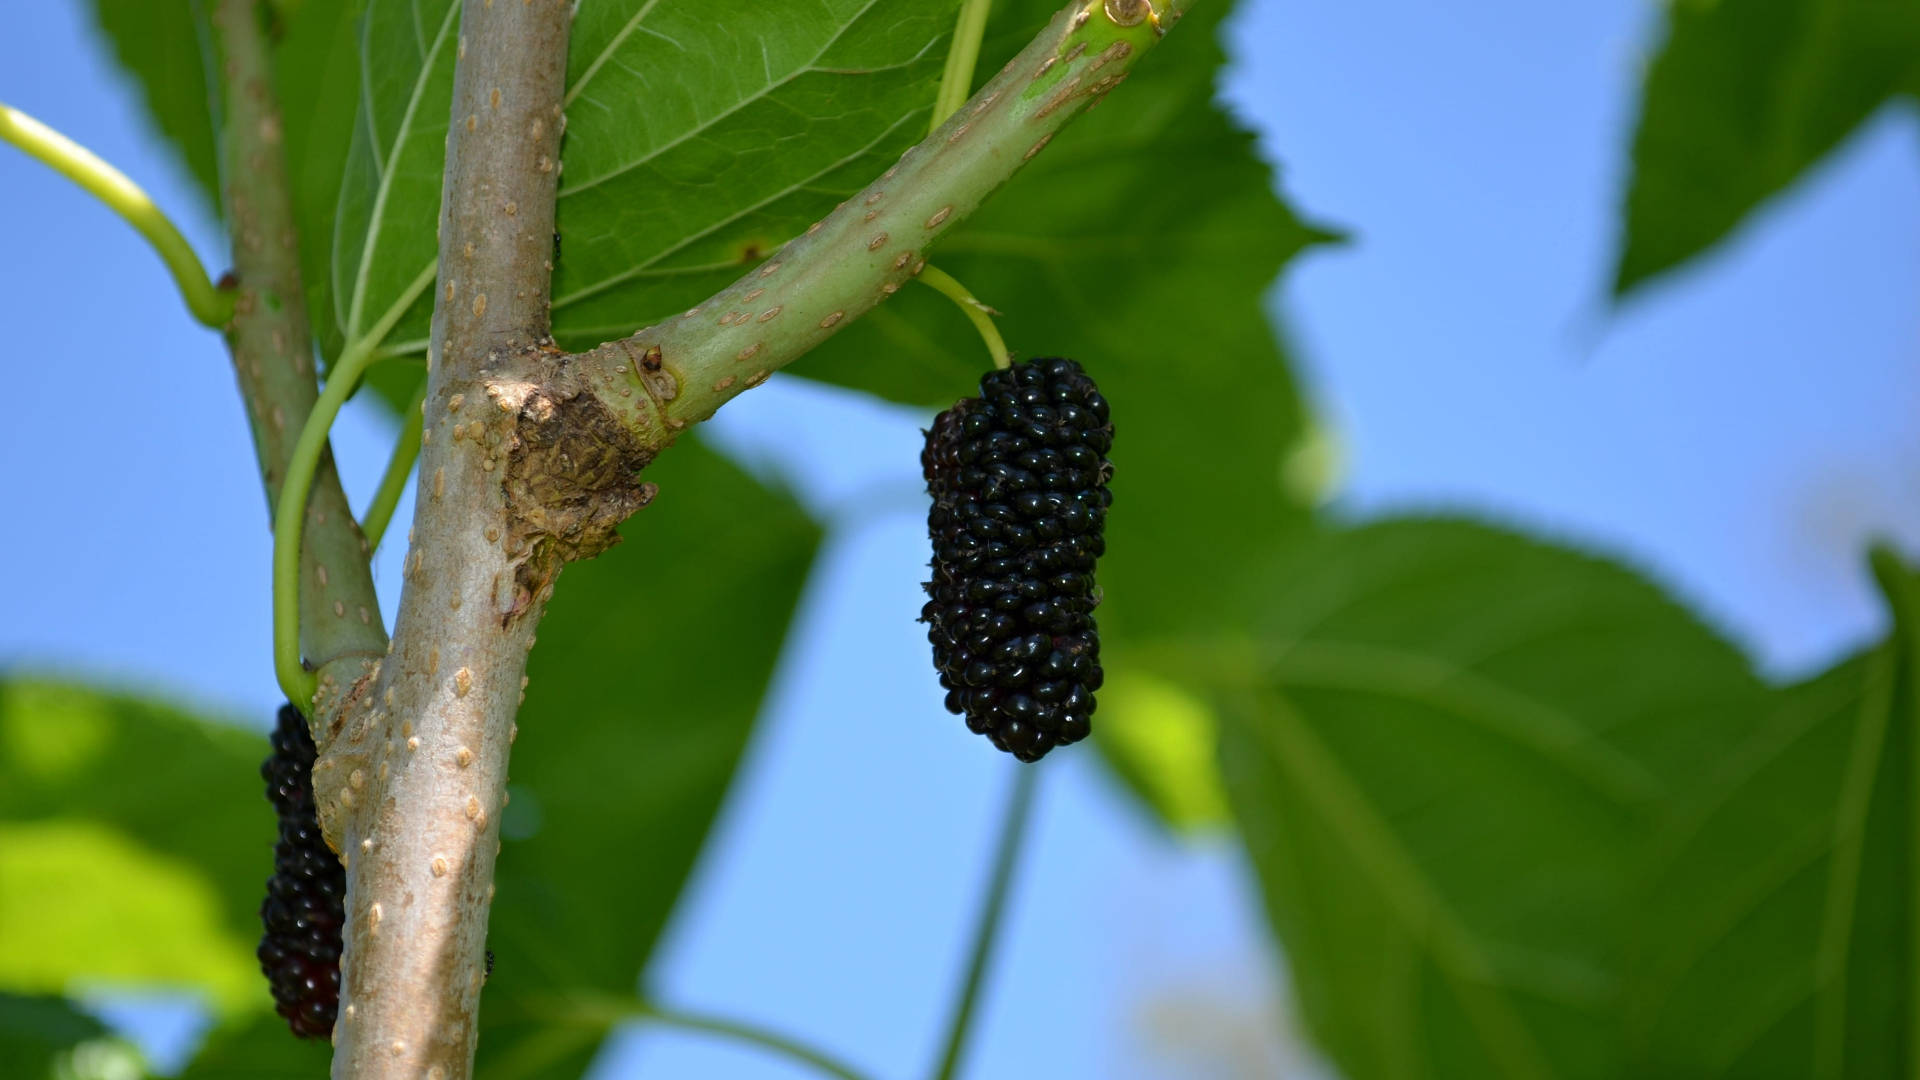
[(137, 844), (1448, 755), (1745, 97), (81, 901), (1163, 743)]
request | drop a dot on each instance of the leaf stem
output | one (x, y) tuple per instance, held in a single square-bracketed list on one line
[(289, 514), (979, 313), (956, 82), (1013, 832), (599, 1012), (210, 305), (400, 466)]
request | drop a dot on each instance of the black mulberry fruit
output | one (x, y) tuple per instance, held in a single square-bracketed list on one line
[(305, 909), (1018, 477)]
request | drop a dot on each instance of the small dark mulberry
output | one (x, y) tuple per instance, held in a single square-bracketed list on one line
[(1019, 477), (305, 909)]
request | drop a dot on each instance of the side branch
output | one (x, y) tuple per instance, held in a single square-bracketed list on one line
[(209, 304), (678, 372), (273, 349)]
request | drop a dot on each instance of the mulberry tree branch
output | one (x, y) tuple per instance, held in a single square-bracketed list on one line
[(273, 350), (530, 459), (412, 777)]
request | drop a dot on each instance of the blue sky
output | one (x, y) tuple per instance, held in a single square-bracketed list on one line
[(1738, 434)]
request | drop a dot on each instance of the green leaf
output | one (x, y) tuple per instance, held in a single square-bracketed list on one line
[(1447, 755), (135, 838), (1745, 96), (643, 691), (700, 136), (160, 44), (1779, 937)]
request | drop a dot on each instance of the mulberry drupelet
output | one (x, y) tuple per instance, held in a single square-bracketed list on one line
[(305, 910), (1018, 477)]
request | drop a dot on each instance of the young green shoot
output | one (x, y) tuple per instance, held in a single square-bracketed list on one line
[(373, 524), (980, 314), (210, 305), (289, 516)]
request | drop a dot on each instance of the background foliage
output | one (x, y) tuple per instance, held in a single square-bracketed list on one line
[(1513, 812)]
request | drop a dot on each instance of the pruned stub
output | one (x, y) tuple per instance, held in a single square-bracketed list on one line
[(573, 475)]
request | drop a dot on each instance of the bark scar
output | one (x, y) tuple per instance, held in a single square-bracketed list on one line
[(572, 474)]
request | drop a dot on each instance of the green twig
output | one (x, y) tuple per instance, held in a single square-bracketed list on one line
[(289, 514), (1013, 832), (981, 314), (405, 452), (770, 1041), (210, 305), (956, 82), (604, 1012)]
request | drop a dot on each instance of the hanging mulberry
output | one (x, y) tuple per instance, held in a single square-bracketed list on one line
[(1018, 477), (305, 909)]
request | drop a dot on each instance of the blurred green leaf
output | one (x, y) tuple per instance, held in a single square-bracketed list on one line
[(700, 136), (643, 691), (98, 789), (1778, 937), (160, 44), (39, 1034), (259, 1048), (1447, 757), (83, 902), (1745, 96)]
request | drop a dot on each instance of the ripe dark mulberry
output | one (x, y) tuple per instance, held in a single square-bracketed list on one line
[(1018, 477), (305, 909)]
